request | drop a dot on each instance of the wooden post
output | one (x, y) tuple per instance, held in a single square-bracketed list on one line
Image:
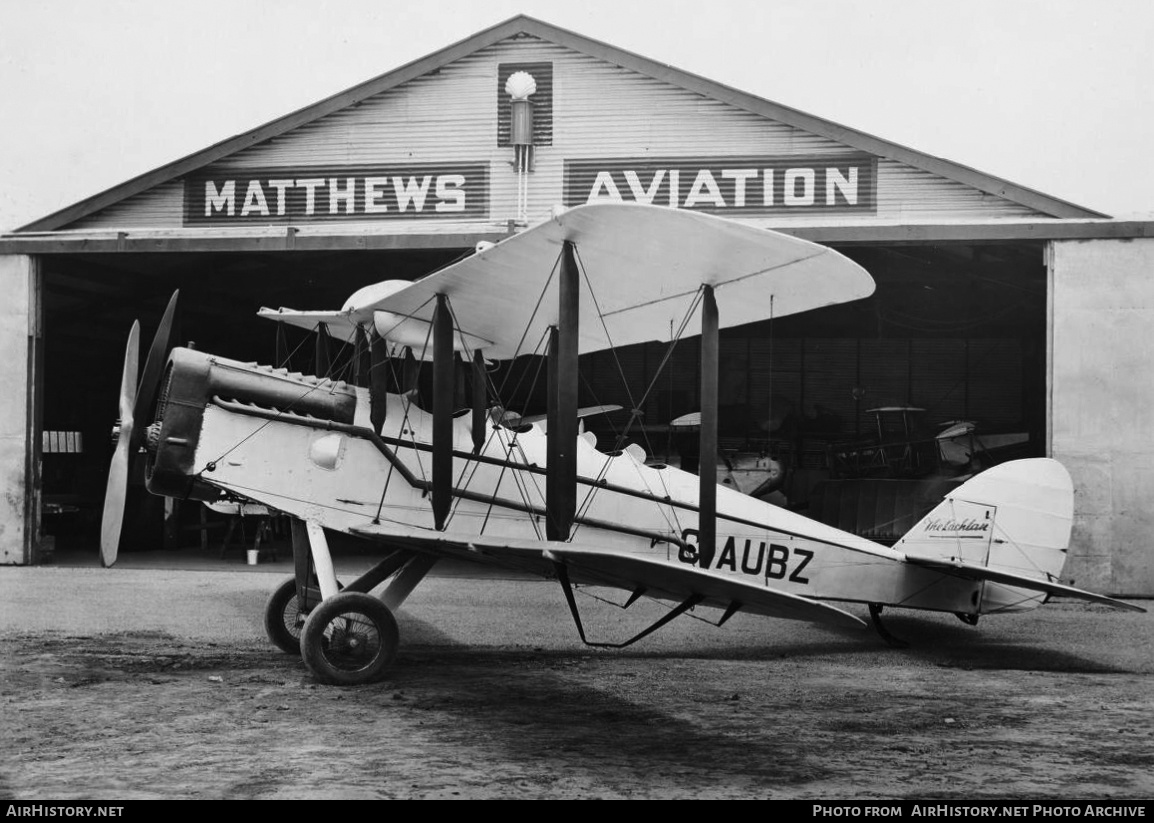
[(443, 385), (707, 473)]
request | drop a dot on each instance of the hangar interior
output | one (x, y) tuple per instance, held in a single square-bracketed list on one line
[(956, 331)]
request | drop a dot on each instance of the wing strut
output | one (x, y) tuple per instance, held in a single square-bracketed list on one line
[(379, 368), (444, 361), (677, 611), (324, 360), (561, 481), (707, 468), (480, 401)]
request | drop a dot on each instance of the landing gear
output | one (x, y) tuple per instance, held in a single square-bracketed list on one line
[(349, 639), (283, 618)]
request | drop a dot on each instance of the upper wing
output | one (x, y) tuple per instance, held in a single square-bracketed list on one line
[(971, 571), (514, 419), (602, 566), (337, 323), (641, 270)]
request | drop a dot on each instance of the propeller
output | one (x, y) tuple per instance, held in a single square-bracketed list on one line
[(114, 496), (153, 370), (136, 399)]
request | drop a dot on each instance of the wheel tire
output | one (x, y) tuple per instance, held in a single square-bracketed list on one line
[(349, 639), (283, 619)]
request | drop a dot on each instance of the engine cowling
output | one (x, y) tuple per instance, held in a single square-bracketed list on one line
[(192, 379)]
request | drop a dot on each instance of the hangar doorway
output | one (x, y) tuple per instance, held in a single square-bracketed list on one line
[(90, 302), (954, 331), (940, 373)]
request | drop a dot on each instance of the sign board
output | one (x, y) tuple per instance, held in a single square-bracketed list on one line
[(730, 186), (233, 197)]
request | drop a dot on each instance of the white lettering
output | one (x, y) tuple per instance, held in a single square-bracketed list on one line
[(846, 186), (697, 192), (347, 195), (738, 176), (254, 200), (373, 193), (674, 188), (450, 191), (640, 193), (790, 196), (310, 185), (767, 187), (223, 200), (280, 186), (411, 192), (604, 182)]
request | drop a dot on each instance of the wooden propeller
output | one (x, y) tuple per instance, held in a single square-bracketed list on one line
[(114, 496), (136, 402)]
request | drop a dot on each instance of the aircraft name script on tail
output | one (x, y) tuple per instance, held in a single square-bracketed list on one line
[(938, 527)]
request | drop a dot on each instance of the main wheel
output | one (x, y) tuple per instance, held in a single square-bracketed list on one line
[(283, 618), (349, 639)]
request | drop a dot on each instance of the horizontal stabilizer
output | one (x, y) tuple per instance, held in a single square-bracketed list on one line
[(970, 571), (603, 566)]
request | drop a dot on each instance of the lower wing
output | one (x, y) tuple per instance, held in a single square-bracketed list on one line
[(616, 568)]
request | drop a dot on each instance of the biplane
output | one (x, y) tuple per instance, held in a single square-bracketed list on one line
[(424, 484)]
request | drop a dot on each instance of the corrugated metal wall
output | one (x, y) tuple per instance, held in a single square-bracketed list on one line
[(599, 110)]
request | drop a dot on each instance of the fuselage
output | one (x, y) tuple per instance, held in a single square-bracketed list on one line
[(343, 477)]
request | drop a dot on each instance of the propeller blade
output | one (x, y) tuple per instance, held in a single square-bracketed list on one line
[(153, 371), (114, 496)]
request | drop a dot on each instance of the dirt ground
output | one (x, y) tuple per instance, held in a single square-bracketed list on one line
[(127, 684)]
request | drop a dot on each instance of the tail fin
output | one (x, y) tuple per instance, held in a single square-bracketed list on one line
[(1013, 518)]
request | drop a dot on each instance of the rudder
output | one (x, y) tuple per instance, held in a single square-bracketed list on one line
[(1015, 517)]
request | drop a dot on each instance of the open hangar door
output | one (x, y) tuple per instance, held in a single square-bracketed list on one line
[(90, 302), (956, 332), (849, 398)]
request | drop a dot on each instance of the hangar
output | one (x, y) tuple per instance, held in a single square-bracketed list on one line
[(996, 304)]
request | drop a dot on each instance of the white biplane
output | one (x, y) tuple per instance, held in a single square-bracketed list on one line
[(425, 484)]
